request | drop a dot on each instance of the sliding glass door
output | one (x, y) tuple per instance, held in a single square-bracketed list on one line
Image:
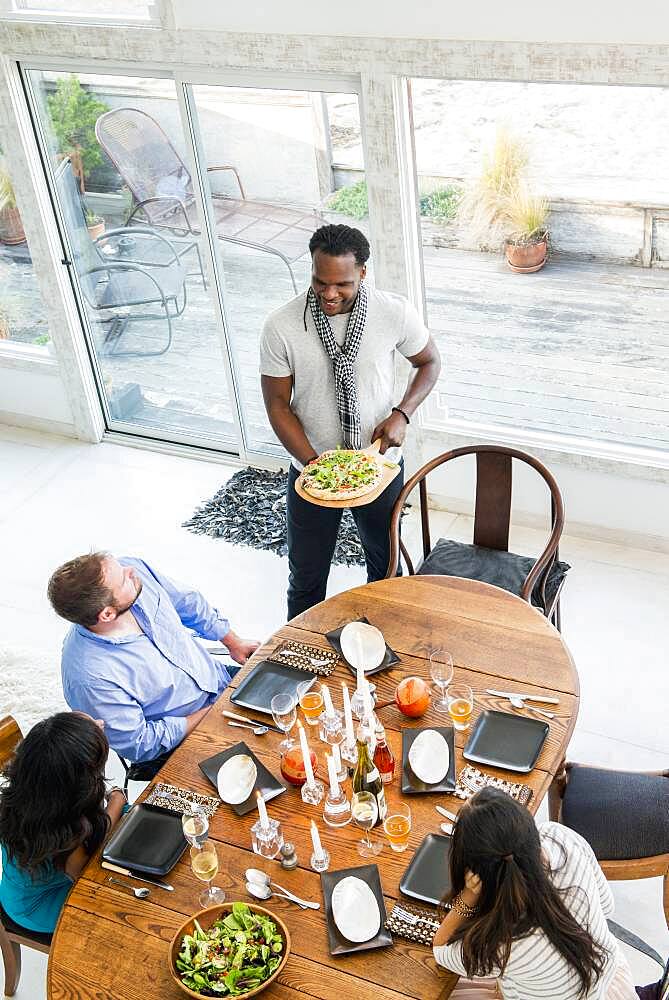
[(185, 211)]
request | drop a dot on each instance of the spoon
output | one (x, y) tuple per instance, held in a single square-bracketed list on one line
[(262, 880), (264, 892), (446, 827), (256, 730), (139, 893), (519, 703)]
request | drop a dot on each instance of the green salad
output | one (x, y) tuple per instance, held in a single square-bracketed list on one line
[(234, 956)]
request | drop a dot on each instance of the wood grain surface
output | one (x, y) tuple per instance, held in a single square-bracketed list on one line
[(110, 946)]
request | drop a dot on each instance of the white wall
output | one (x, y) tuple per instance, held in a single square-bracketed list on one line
[(35, 399), (516, 20)]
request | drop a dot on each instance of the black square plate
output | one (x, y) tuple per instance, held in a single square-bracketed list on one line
[(149, 840), (428, 878), (389, 660), (265, 680), (266, 783), (340, 945), (513, 742), (410, 783)]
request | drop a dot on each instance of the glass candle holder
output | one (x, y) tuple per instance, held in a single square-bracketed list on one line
[(312, 793), (267, 839), (320, 862), (331, 727), (337, 809)]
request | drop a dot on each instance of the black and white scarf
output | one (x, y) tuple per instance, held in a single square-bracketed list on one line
[(343, 360)]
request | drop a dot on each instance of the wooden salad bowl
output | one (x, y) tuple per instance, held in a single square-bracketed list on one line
[(205, 919)]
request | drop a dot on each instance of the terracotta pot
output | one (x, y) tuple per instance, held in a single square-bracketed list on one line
[(11, 227), (96, 230), (527, 258)]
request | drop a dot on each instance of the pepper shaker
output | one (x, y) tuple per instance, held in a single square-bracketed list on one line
[(288, 856)]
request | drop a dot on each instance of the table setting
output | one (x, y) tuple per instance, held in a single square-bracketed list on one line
[(343, 793)]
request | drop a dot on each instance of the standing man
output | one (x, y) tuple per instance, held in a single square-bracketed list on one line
[(327, 362)]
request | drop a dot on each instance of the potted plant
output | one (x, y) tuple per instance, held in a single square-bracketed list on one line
[(11, 226), (526, 246), (498, 209), (94, 223), (73, 111)]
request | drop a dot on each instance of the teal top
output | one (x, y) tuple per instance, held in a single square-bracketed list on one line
[(34, 904)]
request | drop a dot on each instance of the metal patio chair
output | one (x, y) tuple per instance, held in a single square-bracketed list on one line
[(162, 190), (122, 269), (537, 581)]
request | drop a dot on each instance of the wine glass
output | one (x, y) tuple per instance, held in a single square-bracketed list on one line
[(284, 713), (365, 812), (204, 862), (441, 672), (195, 824), (310, 696)]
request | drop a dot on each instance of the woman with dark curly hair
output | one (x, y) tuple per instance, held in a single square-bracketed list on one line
[(528, 906), (54, 813)]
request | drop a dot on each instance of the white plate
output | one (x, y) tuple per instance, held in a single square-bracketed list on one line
[(236, 778), (362, 645), (429, 757), (355, 910)]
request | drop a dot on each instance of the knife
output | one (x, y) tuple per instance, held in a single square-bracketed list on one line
[(140, 878), (446, 813), (523, 697), (255, 722)]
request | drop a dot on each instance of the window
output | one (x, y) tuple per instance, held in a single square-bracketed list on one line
[(124, 11), (578, 348), (23, 319)]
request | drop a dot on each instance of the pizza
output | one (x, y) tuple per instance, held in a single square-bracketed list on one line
[(341, 475)]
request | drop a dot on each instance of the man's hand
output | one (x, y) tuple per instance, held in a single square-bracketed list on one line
[(239, 649), (392, 432)]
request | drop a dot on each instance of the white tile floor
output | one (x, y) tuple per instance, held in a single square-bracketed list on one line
[(60, 497)]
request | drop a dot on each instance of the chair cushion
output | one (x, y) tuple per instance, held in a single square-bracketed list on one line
[(502, 569), (15, 928), (597, 805)]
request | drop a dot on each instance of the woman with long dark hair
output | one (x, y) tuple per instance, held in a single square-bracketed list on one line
[(54, 813), (528, 907)]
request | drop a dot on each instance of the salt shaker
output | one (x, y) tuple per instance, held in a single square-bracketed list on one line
[(288, 856)]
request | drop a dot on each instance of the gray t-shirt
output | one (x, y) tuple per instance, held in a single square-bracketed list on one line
[(286, 348)]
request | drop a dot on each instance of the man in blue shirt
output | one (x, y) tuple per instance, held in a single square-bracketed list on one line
[(131, 658)]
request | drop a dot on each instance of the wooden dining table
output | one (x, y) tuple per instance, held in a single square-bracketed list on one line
[(108, 945)]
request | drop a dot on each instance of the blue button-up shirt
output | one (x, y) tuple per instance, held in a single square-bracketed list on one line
[(144, 686)]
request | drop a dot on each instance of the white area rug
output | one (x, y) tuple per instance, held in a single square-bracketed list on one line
[(30, 687)]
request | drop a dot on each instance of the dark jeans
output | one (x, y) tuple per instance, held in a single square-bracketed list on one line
[(312, 536)]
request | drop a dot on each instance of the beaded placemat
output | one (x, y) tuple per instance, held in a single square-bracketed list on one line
[(305, 657), (470, 780), (413, 923), (179, 799)]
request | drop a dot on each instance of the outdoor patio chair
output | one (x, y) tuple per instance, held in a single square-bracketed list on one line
[(537, 581), (162, 190), (12, 935), (122, 270), (624, 816)]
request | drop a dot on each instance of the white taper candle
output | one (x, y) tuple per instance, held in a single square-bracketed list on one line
[(327, 700), (262, 810), (316, 841), (332, 774), (348, 715), (337, 757), (306, 754)]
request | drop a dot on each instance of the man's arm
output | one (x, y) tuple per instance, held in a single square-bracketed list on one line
[(276, 393), (426, 367)]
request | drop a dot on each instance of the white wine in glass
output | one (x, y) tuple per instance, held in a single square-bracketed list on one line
[(195, 825), (365, 812), (204, 862)]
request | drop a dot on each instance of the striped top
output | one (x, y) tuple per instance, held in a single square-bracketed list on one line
[(535, 968)]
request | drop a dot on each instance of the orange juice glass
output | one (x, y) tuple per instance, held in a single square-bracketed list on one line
[(397, 826), (460, 705), (310, 701)]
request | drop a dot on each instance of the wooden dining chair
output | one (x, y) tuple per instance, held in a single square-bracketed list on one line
[(624, 816), (537, 581), (12, 936)]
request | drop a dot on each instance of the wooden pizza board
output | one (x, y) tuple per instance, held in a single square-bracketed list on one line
[(389, 471)]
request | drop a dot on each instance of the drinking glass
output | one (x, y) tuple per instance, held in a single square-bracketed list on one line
[(397, 826), (284, 713), (204, 862), (365, 812), (311, 701), (441, 672), (195, 824), (460, 705)]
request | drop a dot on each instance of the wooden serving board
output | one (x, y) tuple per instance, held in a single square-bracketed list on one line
[(389, 471)]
